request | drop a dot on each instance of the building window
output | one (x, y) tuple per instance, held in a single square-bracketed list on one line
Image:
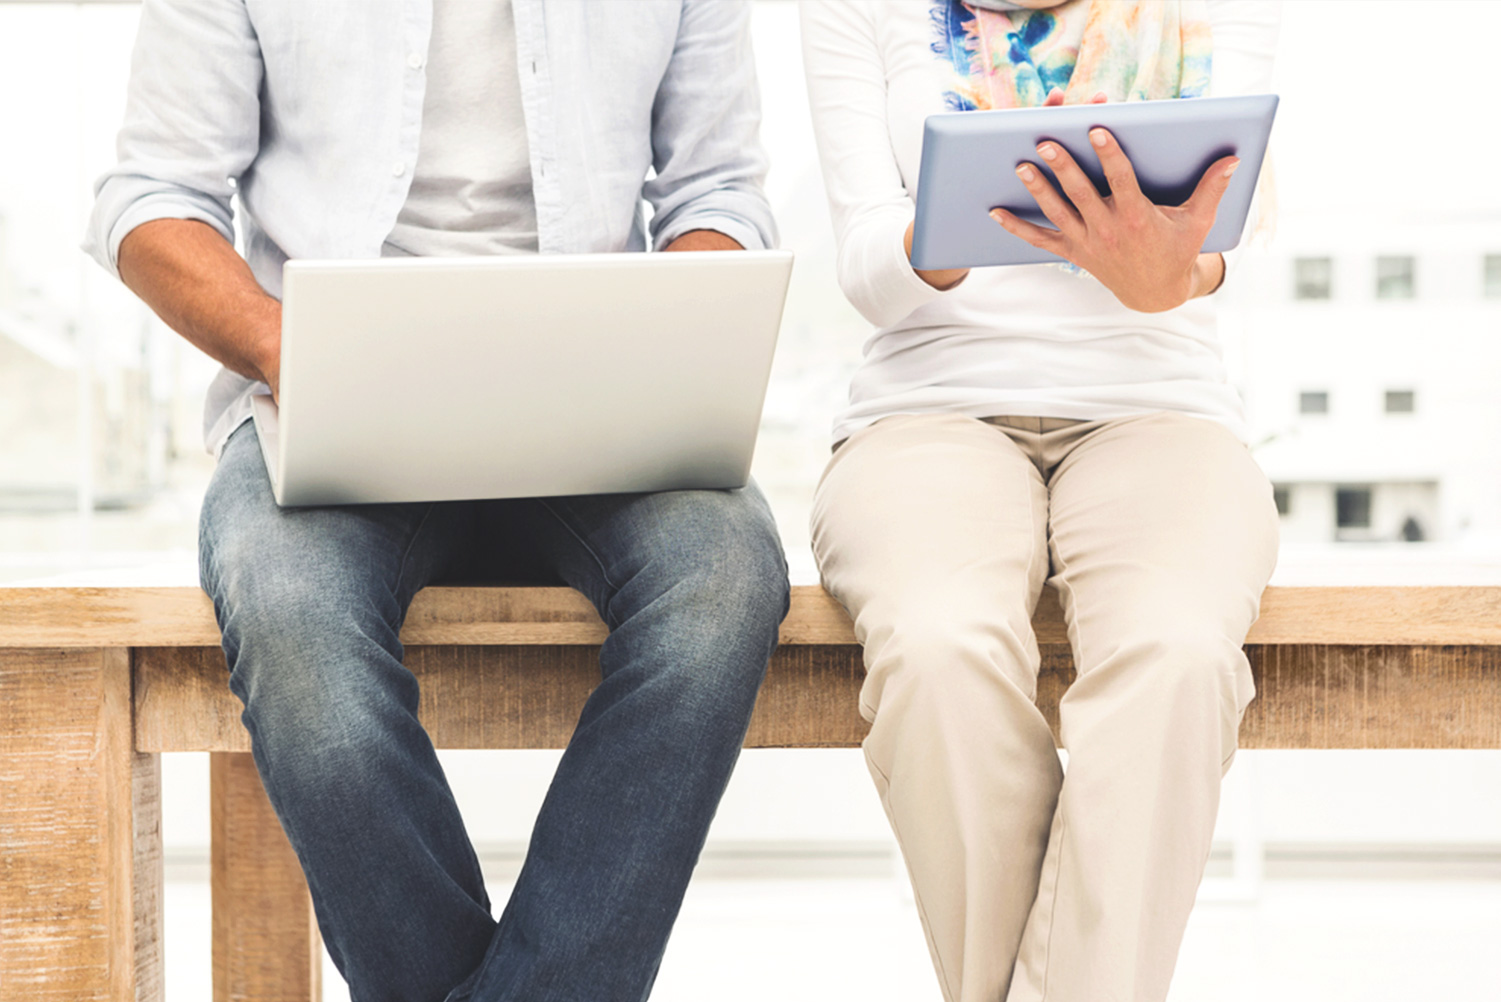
[(1396, 277), (1401, 401), (1313, 402), (1313, 278), (1492, 276), (1352, 508), (1282, 494)]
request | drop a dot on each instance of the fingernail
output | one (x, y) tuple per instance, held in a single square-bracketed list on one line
[(1098, 137), (1231, 169), (998, 216), (1025, 172), (1047, 152)]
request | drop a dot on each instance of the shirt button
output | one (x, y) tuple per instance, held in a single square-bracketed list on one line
[(398, 170), (414, 61)]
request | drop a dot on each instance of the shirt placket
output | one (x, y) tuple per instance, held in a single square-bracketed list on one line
[(537, 99), (416, 33)]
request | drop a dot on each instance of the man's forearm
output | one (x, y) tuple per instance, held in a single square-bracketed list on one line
[(192, 277)]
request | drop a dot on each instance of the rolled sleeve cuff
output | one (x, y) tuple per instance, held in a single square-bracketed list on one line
[(110, 225), (738, 230)]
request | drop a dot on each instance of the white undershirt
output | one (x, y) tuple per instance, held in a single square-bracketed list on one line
[(1031, 341), (472, 185)]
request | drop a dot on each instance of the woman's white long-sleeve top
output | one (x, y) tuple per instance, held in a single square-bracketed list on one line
[(1034, 340)]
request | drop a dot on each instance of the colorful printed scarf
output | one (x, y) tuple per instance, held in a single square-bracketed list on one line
[(1013, 58)]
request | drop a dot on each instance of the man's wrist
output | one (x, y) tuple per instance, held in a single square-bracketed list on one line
[(704, 240), (266, 356)]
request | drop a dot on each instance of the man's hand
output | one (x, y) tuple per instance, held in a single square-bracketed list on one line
[(703, 240), (1148, 255), (191, 276)]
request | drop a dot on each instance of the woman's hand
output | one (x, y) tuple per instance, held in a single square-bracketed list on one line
[(1148, 255)]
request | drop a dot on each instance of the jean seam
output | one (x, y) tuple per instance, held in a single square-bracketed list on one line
[(406, 554), (593, 554)]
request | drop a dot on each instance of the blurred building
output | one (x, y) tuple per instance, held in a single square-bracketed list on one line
[(1366, 346)]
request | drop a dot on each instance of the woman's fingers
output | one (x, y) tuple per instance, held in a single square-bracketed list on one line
[(1117, 166), (1038, 236), (1205, 201), (1053, 205), (1055, 98), (1072, 179)]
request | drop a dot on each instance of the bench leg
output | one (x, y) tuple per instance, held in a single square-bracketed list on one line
[(266, 945), (80, 826)]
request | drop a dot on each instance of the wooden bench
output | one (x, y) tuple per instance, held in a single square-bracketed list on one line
[(96, 683)]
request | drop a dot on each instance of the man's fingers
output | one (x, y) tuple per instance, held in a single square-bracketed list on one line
[(1053, 205), (1205, 201), (1117, 166), (1072, 179), (1038, 236)]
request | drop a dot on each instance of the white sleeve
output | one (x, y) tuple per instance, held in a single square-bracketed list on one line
[(869, 203), (1245, 49)]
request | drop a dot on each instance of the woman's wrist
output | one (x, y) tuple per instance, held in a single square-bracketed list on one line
[(943, 280), (1208, 275)]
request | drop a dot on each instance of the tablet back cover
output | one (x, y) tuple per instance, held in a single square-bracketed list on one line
[(969, 164)]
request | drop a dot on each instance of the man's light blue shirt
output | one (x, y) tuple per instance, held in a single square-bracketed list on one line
[(311, 112)]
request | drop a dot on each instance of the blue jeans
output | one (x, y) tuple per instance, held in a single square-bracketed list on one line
[(693, 586)]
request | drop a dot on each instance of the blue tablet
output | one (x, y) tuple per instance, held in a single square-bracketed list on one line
[(969, 163)]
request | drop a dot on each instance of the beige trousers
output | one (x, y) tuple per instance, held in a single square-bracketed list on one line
[(937, 533)]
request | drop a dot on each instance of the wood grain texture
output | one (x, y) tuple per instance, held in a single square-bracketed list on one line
[(183, 702), (79, 852), (148, 893), (266, 946), (1311, 696), (1323, 696), (183, 617)]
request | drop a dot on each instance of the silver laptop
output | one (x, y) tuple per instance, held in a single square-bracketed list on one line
[(437, 379)]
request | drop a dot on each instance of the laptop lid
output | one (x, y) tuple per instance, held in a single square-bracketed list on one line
[(432, 379)]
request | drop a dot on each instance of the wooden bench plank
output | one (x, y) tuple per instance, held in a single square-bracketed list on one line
[(1311, 696), (183, 617)]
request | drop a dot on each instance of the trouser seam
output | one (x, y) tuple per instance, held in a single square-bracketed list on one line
[(922, 911), (1062, 817)]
